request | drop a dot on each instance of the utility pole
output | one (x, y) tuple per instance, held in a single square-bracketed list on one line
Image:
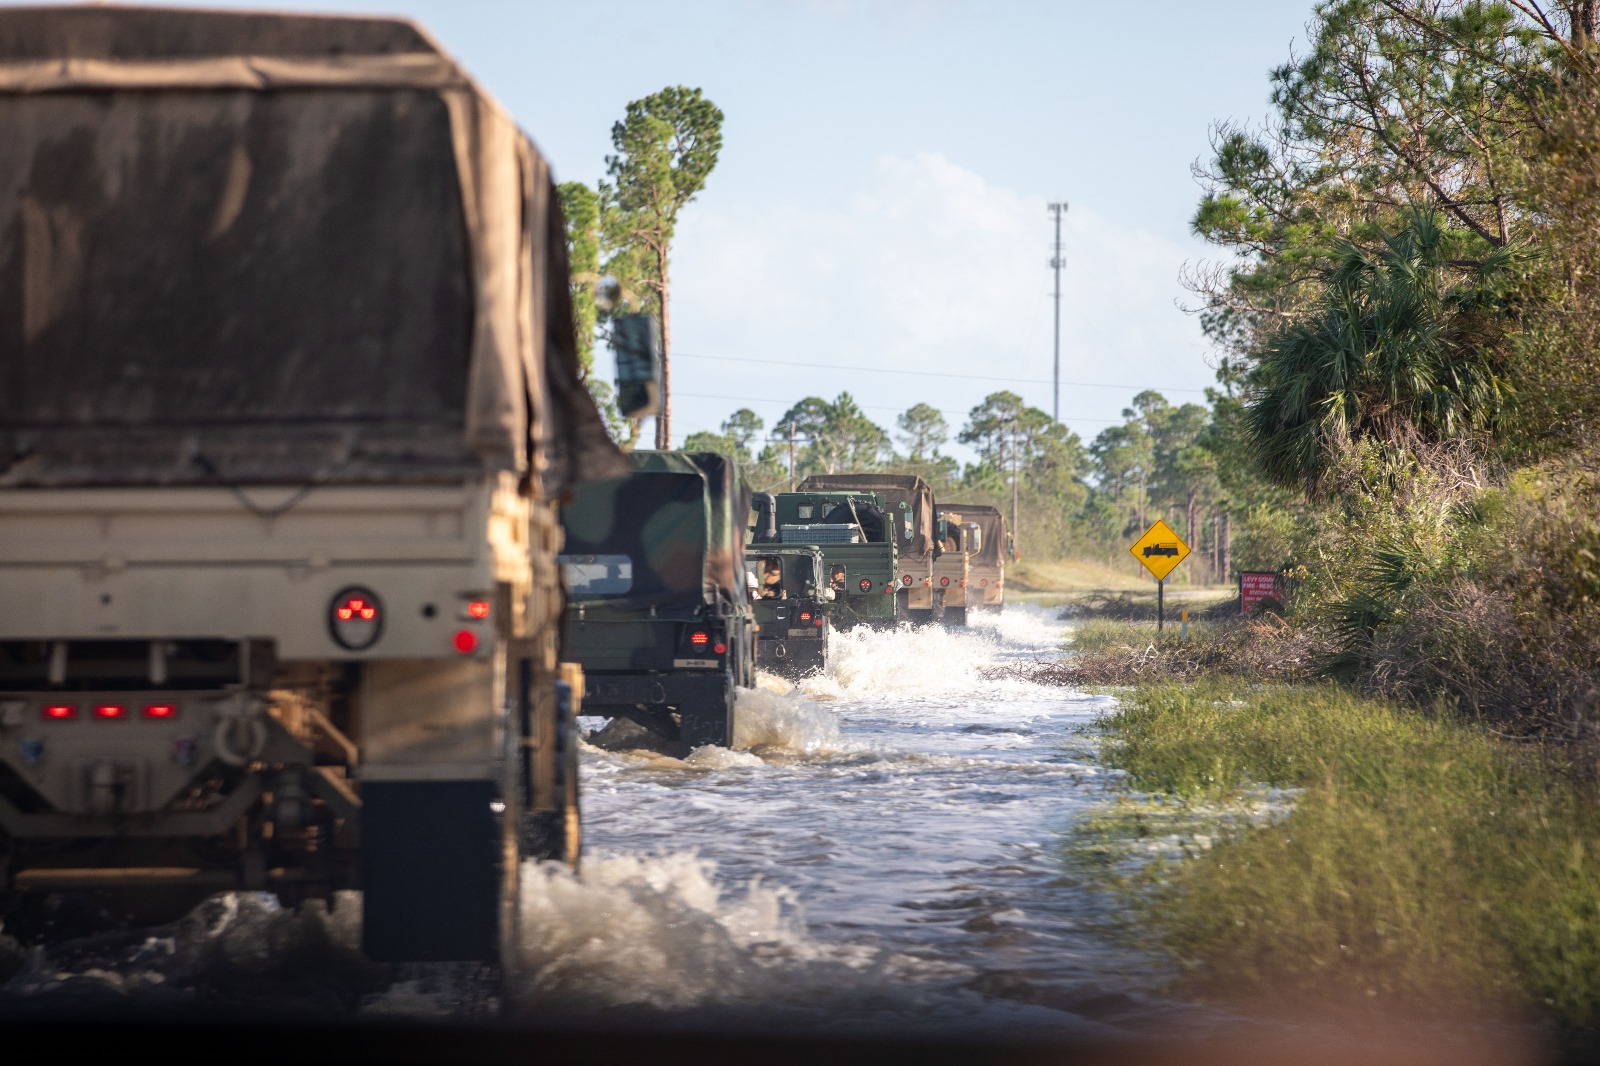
[(1015, 555), (1057, 209), (791, 455)]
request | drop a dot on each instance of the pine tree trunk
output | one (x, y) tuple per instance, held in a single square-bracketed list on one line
[(664, 419), (1227, 547)]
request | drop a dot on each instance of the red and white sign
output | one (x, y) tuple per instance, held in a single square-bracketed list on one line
[(1256, 586)]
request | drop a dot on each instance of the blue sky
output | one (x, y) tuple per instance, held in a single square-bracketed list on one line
[(880, 200)]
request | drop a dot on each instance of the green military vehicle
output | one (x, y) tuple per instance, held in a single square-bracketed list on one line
[(659, 615), (791, 607), (855, 535), (988, 539), (909, 503)]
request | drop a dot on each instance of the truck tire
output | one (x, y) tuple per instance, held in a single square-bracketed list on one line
[(558, 835), (711, 724)]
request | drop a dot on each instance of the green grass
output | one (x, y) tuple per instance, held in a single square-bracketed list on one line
[(1425, 865)]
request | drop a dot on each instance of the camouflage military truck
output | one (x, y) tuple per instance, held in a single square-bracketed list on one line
[(910, 505), (660, 616), (986, 563), (855, 535), (288, 389), (791, 608), (957, 540)]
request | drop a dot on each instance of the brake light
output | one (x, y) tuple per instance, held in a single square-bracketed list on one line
[(60, 710), (160, 710), (819, 620), (719, 647), (983, 583), (944, 581), (866, 584), (906, 579), (466, 641), (355, 619), (927, 582), (110, 710), (478, 609), (699, 639), (805, 616)]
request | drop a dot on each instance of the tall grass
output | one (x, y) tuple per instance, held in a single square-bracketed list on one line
[(1424, 865)]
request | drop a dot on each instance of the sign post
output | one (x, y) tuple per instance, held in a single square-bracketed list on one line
[(1160, 551)]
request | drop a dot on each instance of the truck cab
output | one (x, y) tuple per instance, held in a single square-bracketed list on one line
[(791, 607), (659, 615)]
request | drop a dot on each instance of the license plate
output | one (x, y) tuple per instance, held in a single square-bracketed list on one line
[(809, 631), (708, 664)]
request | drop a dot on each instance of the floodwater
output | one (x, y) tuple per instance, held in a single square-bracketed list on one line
[(881, 853)]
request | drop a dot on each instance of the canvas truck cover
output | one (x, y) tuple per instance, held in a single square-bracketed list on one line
[(895, 489), (993, 524), (728, 498), (646, 532), (264, 247)]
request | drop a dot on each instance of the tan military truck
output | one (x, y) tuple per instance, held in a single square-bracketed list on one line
[(287, 394), (987, 540), (958, 539)]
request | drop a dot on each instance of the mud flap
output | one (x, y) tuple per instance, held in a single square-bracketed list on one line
[(710, 722), (431, 858)]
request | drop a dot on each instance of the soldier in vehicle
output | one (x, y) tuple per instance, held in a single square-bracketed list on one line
[(836, 579), (772, 580)]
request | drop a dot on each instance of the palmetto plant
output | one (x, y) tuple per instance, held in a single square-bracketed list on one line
[(1399, 348)]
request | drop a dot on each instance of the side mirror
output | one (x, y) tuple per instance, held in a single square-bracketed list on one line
[(636, 339)]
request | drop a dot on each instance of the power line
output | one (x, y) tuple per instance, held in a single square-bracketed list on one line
[(922, 373), (864, 406)]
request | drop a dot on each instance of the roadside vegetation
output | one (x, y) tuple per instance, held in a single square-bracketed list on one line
[(1425, 866), (1408, 425)]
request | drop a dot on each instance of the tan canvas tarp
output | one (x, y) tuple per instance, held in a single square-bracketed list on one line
[(990, 521), (308, 247)]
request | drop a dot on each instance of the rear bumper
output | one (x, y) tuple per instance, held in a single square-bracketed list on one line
[(792, 655), (606, 691)]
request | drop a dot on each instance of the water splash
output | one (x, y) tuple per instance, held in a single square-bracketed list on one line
[(772, 722)]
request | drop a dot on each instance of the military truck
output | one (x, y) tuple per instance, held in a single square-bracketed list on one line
[(951, 570), (660, 616), (855, 535), (986, 563), (791, 608), (289, 389), (910, 504)]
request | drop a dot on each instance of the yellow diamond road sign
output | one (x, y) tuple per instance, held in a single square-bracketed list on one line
[(1160, 550)]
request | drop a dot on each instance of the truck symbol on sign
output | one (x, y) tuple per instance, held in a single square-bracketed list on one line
[(1160, 549)]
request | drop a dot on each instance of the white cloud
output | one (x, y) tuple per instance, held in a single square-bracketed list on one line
[(925, 266)]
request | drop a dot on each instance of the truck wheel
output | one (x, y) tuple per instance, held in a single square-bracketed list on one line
[(955, 616), (558, 835), (713, 724)]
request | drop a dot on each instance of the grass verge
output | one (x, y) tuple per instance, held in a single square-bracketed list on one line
[(1425, 866), (1108, 651)]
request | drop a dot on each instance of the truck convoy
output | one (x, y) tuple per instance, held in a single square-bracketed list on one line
[(986, 562), (792, 596), (854, 533), (289, 389), (909, 506), (660, 616)]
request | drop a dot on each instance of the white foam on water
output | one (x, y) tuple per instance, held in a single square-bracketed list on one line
[(769, 721)]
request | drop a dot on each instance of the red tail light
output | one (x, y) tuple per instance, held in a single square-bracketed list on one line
[(866, 584), (699, 639), (805, 616), (719, 647), (160, 710), (478, 609), (60, 710), (110, 710), (984, 583), (906, 579), (466, 641), (819, 620)]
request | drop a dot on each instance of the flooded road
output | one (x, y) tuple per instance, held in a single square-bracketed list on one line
[(883, 852)]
